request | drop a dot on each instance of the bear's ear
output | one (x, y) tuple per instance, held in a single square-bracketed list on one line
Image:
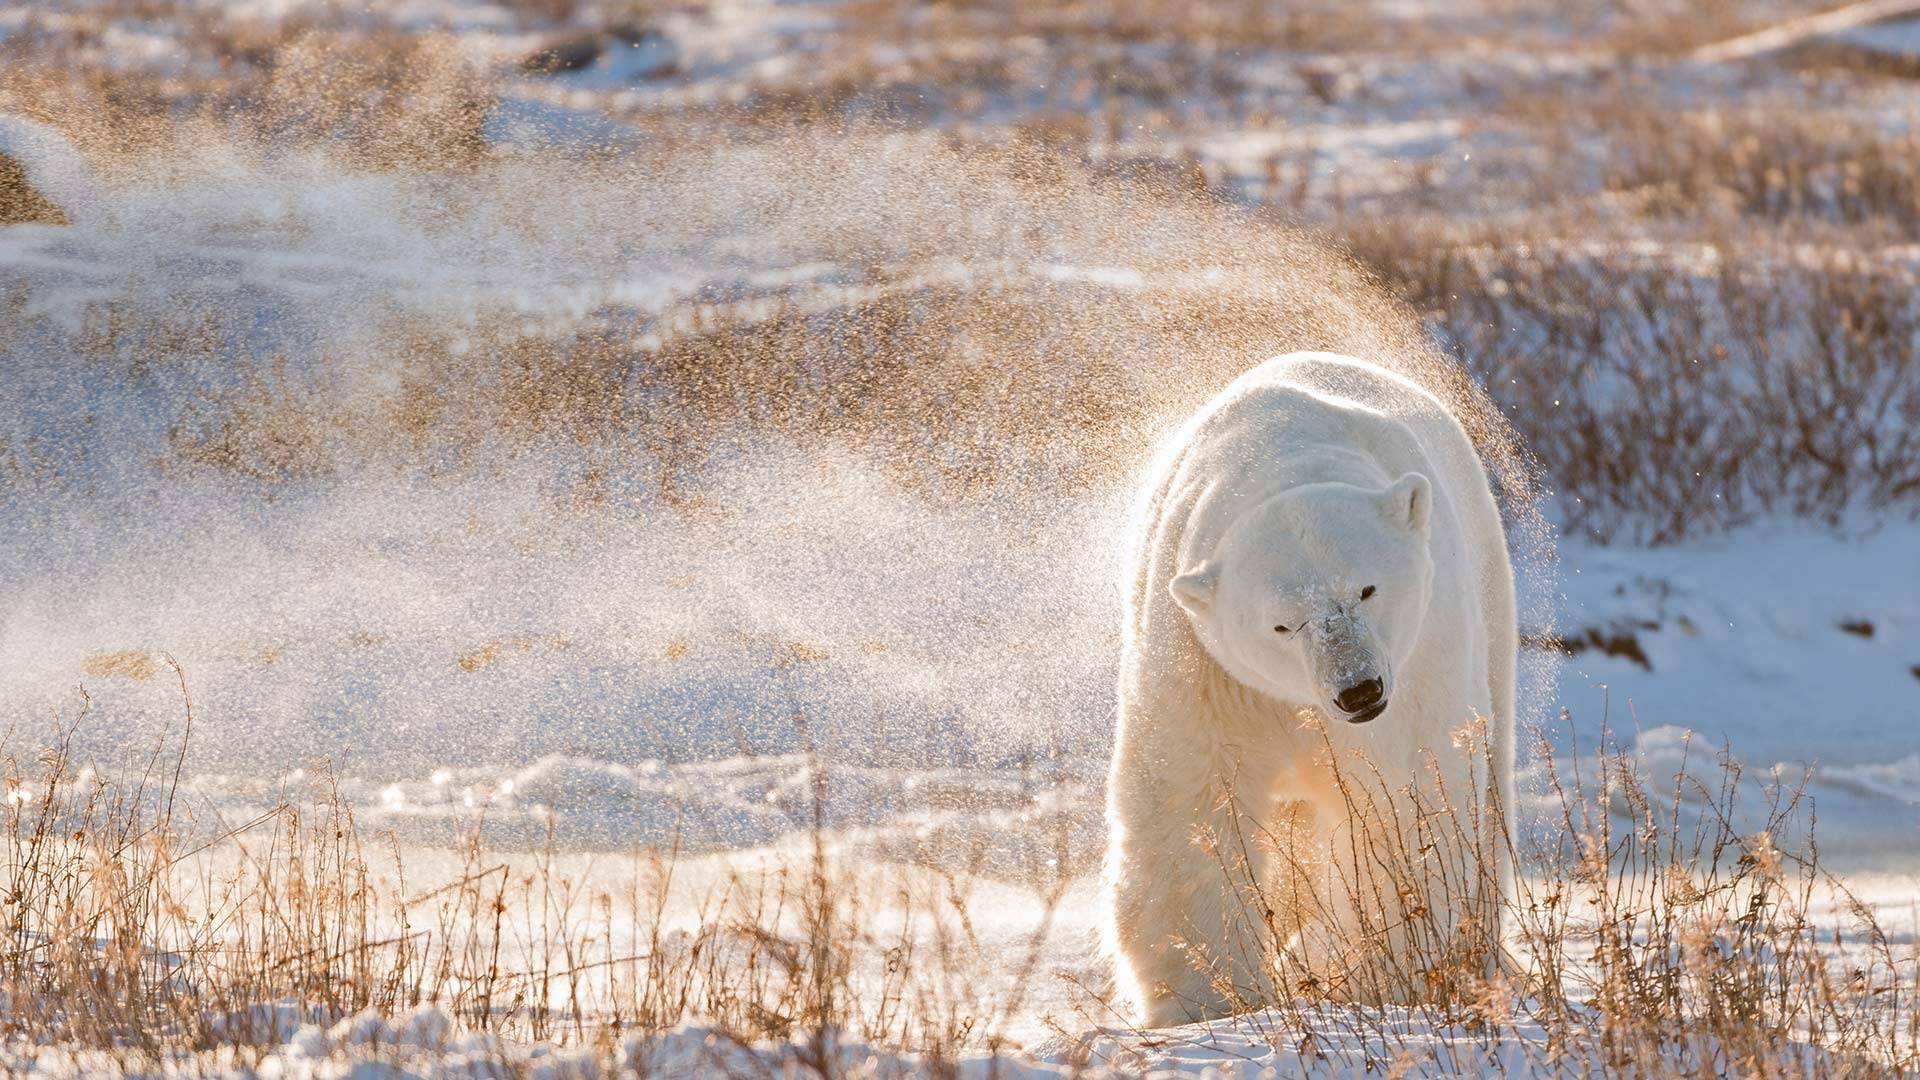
[(1193, 590), (1409, 502)]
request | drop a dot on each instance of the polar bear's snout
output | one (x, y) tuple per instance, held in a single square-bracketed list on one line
[(1348, 664), (1363, 701)]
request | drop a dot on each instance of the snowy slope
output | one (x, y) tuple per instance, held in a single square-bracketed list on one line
[(1792, 645)]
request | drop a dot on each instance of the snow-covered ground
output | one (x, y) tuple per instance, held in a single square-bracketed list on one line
[(1257, 1045), (1788, 644)]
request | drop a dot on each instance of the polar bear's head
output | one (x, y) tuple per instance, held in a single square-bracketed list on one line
[(1316, 596)]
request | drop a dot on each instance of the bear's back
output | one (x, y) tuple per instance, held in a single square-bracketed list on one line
[(1301, 417), (1337, 381)]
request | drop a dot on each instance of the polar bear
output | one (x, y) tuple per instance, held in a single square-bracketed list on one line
[(1317, 676)]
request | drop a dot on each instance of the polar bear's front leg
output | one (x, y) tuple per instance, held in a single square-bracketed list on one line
[(1364, 943), (1411, 901), (1187, 866)]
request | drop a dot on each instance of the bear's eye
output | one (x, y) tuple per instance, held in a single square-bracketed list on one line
[(1366, 592), (1282, 630)]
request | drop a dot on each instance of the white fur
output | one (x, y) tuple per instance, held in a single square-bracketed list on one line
[(1308, 479)]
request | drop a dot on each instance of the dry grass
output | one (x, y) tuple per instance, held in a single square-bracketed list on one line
[(1685, 390), (1658, 926), (382, 100), (1241, 23), (147, 934), (392, 102), (1782, 162), (955, 386), (1665, 392), (1773, 163), (1665, 396), (20, 203), (134, 664), (1653, 931), (267, 430)]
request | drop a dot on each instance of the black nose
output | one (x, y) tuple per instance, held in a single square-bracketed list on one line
[(1360, 697)]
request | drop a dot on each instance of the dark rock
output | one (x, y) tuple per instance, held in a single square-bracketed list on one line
[(1619, 641), (566, 54), (631, 50)]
